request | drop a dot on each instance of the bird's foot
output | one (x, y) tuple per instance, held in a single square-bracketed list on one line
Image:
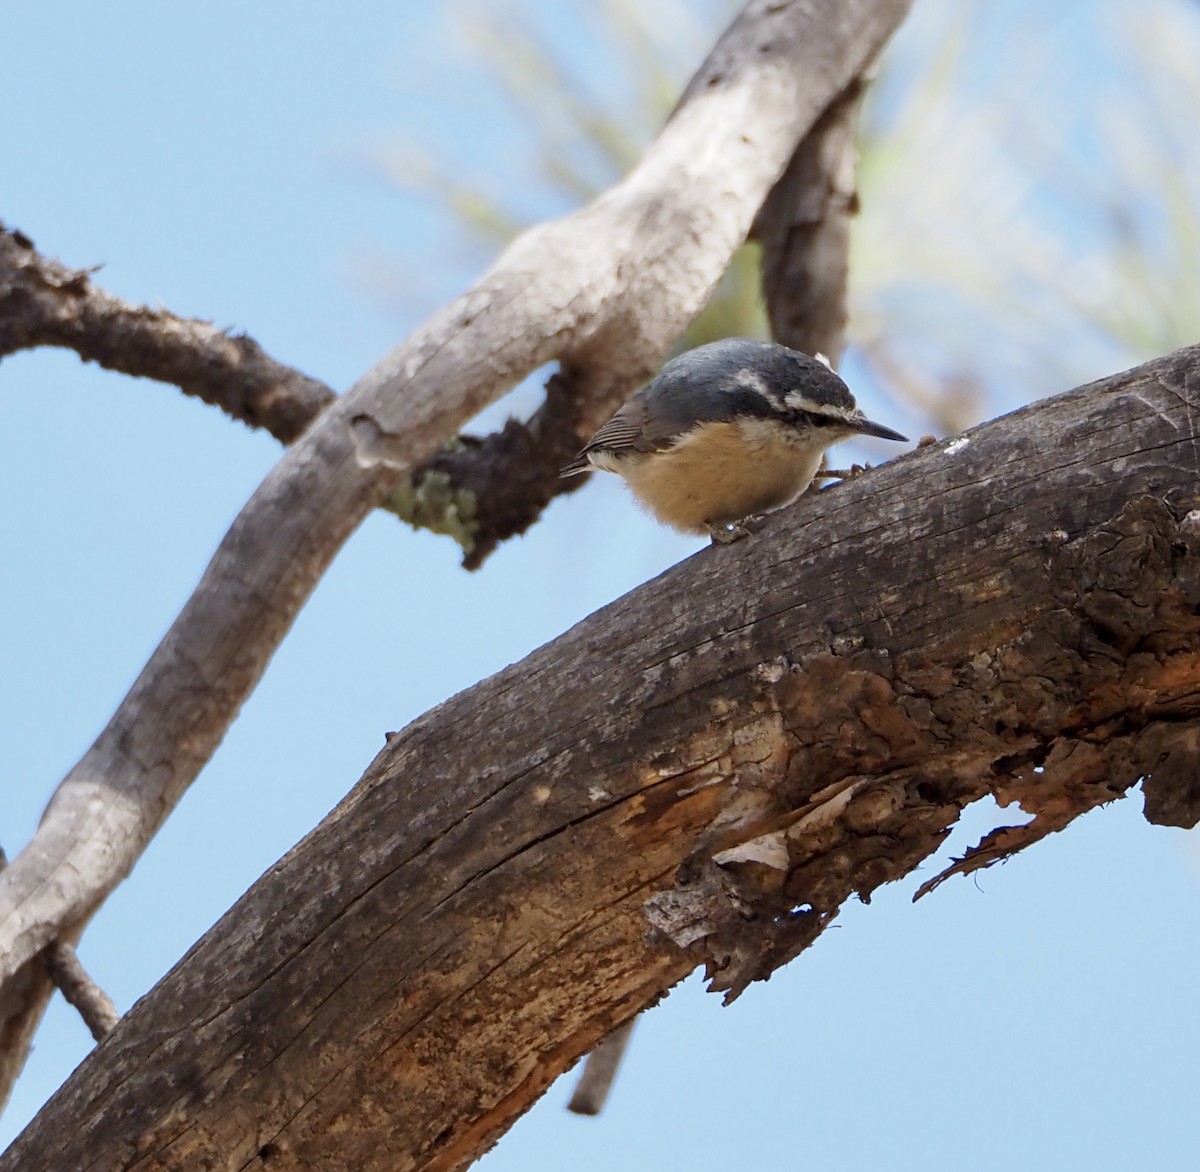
[(727, 534), (842, 473)]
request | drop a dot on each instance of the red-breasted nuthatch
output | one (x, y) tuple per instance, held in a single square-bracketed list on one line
[(727, 431)]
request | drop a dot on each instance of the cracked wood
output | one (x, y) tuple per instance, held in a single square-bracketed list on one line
[(528, 865)]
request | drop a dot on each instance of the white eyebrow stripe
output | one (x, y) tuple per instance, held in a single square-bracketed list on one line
[(803, 403)]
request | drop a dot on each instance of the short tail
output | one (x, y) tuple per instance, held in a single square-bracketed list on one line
[(580, 464)]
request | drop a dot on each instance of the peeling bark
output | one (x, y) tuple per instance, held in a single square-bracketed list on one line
[(1015, 612)]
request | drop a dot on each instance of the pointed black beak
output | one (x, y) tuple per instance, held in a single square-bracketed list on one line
[(866, 427)]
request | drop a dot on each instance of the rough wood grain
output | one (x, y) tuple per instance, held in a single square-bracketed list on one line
[(608, 289), (699, 774)]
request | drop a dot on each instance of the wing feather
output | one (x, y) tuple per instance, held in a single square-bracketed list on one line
[(624, 433)]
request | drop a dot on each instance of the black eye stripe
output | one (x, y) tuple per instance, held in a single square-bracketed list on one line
[(815, 419), (759, 408)]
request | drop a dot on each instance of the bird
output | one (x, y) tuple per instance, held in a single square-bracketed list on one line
[(725, 432)]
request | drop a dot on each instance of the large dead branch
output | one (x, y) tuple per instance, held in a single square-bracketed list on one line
[(699, 774), (606, 290)]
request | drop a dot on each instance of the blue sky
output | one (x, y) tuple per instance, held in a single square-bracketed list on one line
[(211, 158)]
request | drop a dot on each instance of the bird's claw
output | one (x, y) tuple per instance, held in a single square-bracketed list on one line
[(842, 473), (736, 530)]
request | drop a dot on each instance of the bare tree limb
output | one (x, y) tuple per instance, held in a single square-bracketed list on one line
[(44, 303), (477, 491), (1013, 613), (607, 289)]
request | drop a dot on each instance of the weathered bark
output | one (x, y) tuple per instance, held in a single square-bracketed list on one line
[(606, 290), (699, 774)]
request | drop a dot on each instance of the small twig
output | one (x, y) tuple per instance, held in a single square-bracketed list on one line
[(599, 1070), (67, 972), (64, 968)]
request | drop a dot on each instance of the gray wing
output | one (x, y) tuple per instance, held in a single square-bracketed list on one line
[(625, 432)]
